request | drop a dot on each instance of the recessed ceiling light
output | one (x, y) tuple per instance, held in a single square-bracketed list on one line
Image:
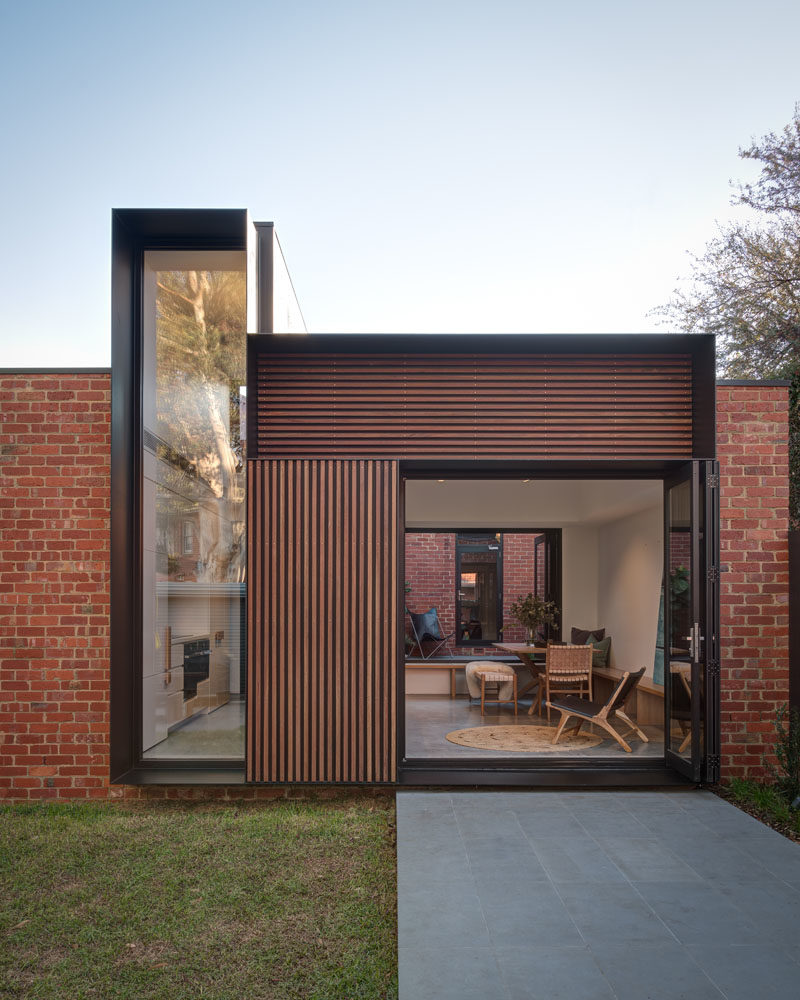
[(440, 480)]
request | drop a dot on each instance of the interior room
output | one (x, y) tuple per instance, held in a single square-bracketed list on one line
[(474, 550)]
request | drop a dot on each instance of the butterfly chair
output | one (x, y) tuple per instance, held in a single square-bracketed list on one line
[(601, 714), (427, 628)]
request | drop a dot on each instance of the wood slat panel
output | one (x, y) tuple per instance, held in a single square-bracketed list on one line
[(322, 614), (473, 406)]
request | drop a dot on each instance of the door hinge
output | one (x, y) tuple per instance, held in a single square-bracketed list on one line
[(712, 480), (713, 763), (712, 574), (713, 667)]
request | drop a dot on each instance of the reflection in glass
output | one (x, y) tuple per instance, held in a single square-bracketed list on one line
[(477, 610), (681, 623), (193, 506)]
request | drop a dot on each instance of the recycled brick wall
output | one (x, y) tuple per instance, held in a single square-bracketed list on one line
[(431, 574), (54, 584), (752, 446)]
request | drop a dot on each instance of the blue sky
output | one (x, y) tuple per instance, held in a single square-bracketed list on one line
[(434, 166)]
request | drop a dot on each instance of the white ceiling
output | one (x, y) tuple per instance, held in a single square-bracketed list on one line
[(539, 503)]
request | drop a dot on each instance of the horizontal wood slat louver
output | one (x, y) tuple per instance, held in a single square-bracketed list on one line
[(322, 613), (473, 406)]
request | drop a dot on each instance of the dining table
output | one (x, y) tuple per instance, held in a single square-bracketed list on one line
[(533, 657)]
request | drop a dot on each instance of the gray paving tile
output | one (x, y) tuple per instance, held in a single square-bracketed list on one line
[(778, 855), (698, 914), (646, 859), (552, 973), (547, 823), (431, 919), (612, 914), (527, 894), (454, 973), (500, 850), (575, 858), (539, 911), (482, 824), (747, 972), (664, 971), (774, 908), (499, 883), (433, 869), (608, 820), (521, 865), (720, 861)]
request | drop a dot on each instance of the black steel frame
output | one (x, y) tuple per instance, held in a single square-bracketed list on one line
[(133, 232), (462, 547), (509, 773)]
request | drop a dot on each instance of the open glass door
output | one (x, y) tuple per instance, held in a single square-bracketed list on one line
[(690, 617)]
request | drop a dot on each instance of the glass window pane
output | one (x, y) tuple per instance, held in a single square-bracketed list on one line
[(193, 505), (680, 602)]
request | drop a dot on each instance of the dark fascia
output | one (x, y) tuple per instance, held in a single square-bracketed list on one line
[(491, 343), (134, 230), (755, 382), (198, 228), (55, 371)]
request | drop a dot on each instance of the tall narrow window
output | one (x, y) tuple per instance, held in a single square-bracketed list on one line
[(479, 588), (193, 505)]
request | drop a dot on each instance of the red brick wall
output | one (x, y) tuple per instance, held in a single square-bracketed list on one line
[(54, 584), (431, 574), (752, 436)]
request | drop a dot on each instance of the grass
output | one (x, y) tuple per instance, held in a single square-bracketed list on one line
[(274, 900), (766, 803)]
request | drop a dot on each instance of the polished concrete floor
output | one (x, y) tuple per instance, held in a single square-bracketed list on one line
[(635, 895), (218, 734), (430, 717)]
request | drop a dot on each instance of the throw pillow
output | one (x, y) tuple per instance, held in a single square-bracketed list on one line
[(600, 651), (581, 636)]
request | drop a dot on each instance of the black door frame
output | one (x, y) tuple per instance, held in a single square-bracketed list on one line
[(570, 773)]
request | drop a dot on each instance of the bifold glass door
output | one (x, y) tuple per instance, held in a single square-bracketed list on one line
[(691, 572)]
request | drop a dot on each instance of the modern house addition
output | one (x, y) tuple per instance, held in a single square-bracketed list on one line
[(279, 502)]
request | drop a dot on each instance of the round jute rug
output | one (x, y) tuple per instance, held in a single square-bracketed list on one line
[(521, 739)]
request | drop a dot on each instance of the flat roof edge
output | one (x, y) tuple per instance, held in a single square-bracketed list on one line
[(755, 382), (32, 370)]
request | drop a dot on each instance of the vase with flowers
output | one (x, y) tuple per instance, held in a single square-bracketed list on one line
[(533, 614)]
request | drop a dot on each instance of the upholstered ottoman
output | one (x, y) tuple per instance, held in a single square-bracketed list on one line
[(492, 672)]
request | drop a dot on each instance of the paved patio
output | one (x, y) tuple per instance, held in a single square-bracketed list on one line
[(628, 895)]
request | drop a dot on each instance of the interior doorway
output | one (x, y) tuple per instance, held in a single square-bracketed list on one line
[(474, 548)]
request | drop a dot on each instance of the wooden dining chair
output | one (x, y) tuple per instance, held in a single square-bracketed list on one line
[(567, 669)]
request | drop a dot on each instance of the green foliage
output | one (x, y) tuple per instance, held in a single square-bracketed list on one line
[(745, 286), (766, 802), (787, 753), (533, 612)]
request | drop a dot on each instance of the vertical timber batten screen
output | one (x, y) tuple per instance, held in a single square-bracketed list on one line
[(322, 611), (473, 406)]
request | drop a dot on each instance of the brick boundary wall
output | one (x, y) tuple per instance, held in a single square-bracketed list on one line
[(54, 582), (753, 452), (55, 452)]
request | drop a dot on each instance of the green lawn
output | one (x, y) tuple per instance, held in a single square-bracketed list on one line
[(283, 899)]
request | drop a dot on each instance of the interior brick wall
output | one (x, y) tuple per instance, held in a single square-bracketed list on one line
[(431, 574), (752, 447), (55, 452)]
